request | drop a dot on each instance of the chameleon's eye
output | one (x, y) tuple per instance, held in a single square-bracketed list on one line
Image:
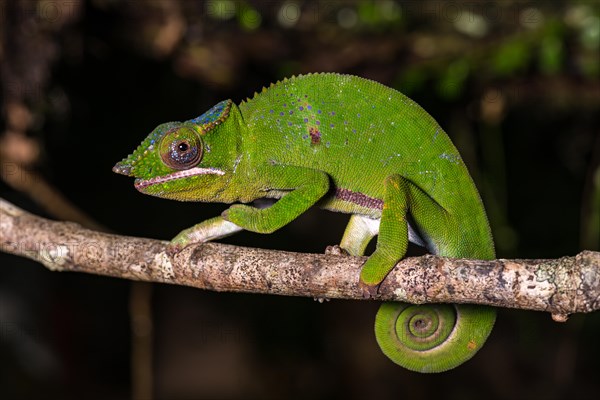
[(181, 148)]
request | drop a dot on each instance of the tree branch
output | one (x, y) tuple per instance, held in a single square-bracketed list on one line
[(562, 286)]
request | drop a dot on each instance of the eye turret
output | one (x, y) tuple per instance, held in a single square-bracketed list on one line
[(181, 148)]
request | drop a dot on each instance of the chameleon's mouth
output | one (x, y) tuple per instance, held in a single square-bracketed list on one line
[(144, 183)]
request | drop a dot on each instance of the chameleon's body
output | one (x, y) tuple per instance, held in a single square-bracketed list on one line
[(350, 145)]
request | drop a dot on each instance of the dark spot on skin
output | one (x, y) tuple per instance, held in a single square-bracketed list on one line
[(358, 198), (315, 135), (305, 119), (450, 289), (301, 108), (281, 113)]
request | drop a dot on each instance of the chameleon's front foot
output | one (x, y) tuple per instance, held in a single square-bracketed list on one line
[(181, 241), (173, 248), (211, 229)]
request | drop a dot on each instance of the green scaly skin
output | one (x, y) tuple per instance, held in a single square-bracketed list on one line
[(350, 145)]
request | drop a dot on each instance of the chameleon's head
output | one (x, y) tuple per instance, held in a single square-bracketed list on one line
[(177, 160)]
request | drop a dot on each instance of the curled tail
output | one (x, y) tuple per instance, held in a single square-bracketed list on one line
[(432, 337)]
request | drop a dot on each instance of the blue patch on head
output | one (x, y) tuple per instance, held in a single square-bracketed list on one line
[(215, 114), (159, 132)]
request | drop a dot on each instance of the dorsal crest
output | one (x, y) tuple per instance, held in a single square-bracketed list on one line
[(213, 117)]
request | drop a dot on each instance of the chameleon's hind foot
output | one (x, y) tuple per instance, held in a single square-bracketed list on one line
[(368, 291)]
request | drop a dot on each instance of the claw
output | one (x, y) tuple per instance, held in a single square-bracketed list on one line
[(336, 250), (174, 248), (368, 291)]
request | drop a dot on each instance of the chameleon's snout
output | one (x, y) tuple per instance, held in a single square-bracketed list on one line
[(122, 169)]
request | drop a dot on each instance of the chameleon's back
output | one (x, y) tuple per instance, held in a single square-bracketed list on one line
[(360, 132)]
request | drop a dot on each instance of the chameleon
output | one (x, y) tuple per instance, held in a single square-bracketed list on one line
[(349, 145)]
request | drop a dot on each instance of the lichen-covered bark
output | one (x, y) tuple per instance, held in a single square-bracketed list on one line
[(563, 286)]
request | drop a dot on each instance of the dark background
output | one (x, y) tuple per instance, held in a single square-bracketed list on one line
[(515, 84)]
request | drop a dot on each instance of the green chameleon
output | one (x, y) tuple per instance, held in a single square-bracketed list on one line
[(349, 145)]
